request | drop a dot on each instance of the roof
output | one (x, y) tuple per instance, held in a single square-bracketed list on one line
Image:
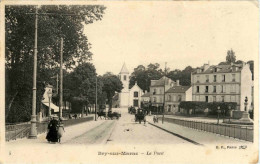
[(124, 69), (221, 69), (160, 82), (178, 89), (146, 94)]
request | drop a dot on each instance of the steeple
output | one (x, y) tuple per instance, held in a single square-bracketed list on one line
[(124, 70)]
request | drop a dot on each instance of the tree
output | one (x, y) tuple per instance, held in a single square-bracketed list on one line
[(251, 66), (143, 76), (19, 32), (111, 85), (231, 57)]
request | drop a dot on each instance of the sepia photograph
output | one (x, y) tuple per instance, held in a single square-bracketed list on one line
[(129, 81)]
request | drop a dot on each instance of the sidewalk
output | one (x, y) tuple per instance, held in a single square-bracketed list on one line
[(195, 136), (70, 132)]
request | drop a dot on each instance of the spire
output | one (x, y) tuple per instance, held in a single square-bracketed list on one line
[(124, 69)]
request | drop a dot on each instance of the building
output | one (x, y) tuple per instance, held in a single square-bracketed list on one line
[(135, 94), (128, 97), (45, 104), (157, 90), (222, 83), (145, 99), (174, 96)]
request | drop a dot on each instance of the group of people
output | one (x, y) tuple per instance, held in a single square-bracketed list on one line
[(55, 130)]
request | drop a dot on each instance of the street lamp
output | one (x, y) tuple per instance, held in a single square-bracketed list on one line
[(33, 130), (49, 95), (218, 113)]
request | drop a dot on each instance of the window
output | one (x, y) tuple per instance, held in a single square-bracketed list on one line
[(169, 98), (214, 89), (179, 98), (135, 94), (169, 108), (198, 89), (154, 99), (233, 77), (154, 91), (222, 98), (215, 78), (223, 78), (135, 103), (207, 89), (207, 98), (198, 79), (222, 89), (215, 69), (124, 77), (207, 78), (214, 98)]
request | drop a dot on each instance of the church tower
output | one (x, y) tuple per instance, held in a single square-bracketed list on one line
[(124, 95)]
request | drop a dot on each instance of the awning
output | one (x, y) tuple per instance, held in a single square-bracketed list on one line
[(54, 107)]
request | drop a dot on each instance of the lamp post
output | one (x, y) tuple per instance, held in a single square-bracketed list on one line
[(49, 95), (33, 131), (218, 113)]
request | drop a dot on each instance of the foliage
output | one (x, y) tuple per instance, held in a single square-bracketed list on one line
[(212, 106), (182, 75), (111, 85), (231, 57), (251, 63), (143, 76), (19, 34)]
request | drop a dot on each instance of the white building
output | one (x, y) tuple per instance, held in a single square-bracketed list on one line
[(128, 97), (222, 83)]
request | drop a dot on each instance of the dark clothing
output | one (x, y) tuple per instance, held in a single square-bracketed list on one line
[(53, 131)]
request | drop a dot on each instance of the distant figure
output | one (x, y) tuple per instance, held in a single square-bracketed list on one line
[(155, 119)]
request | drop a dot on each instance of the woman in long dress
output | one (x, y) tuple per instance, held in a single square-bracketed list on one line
[(53, 127)]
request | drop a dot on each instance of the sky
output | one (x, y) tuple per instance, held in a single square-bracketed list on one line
[(179, 33)]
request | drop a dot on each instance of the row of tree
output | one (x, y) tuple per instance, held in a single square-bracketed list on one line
[(53, 23)]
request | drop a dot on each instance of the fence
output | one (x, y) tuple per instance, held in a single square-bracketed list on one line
[(15, 131), (235, 131)]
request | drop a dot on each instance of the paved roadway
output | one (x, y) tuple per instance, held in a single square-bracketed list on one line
[(124, 131), (127, 131)]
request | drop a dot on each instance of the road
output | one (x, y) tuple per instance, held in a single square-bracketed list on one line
[(124, 131), (91, 137)]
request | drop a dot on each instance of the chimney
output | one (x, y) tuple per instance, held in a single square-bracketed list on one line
[(205, 67), (177, 82)]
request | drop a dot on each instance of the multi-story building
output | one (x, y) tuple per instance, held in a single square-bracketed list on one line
[(174, 96), (222, 83), (157, 89)]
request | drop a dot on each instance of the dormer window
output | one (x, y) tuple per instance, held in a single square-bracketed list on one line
[(215, 69), (124, 77)]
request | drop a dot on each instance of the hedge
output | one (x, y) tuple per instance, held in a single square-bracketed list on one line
[(212, 106)]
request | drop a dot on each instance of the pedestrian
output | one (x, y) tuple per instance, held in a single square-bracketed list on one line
[(60, 130), (53, 130)]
